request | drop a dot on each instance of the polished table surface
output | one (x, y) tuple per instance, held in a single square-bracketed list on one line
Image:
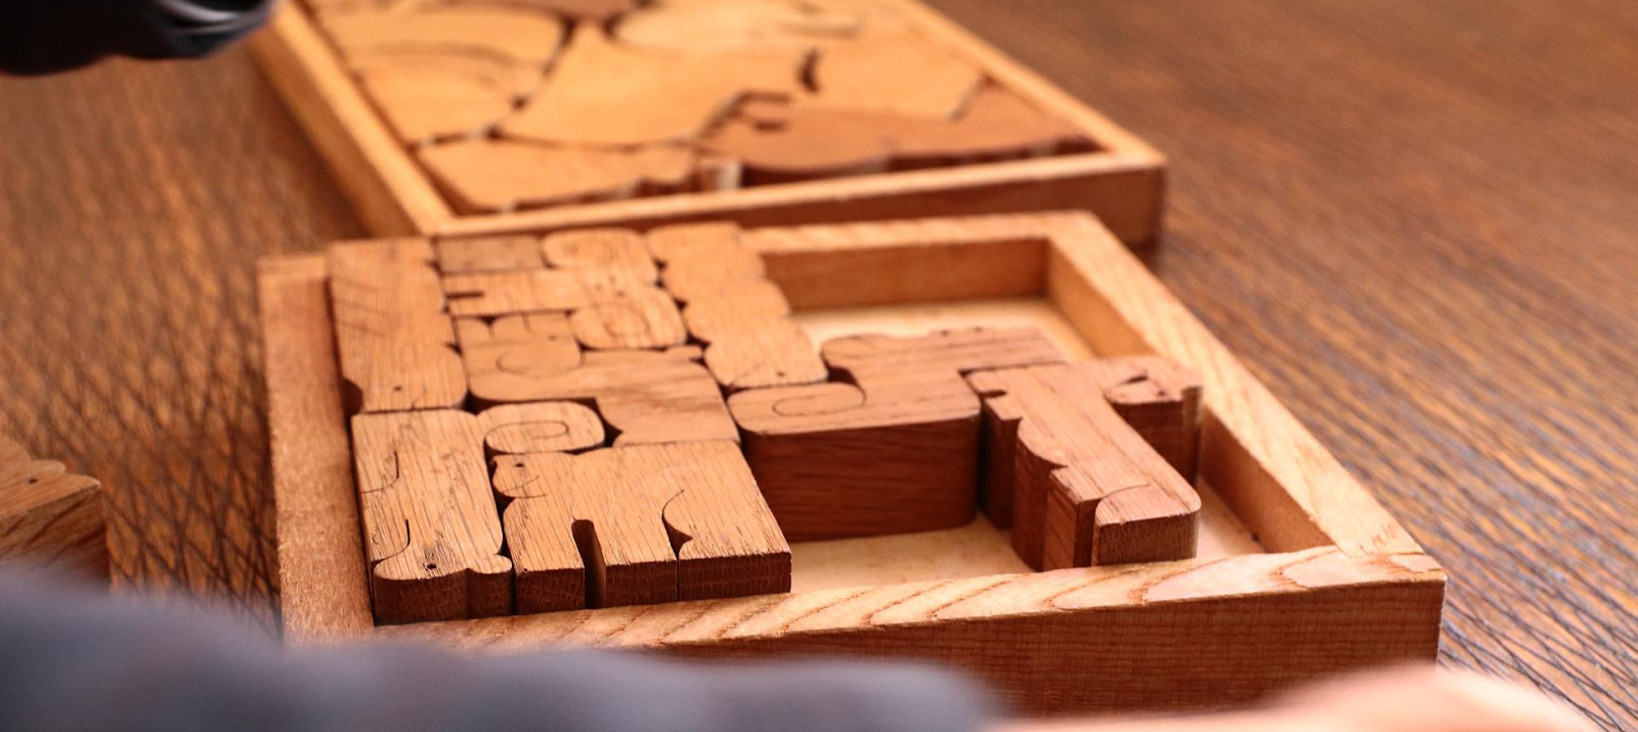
[(1418, 222)]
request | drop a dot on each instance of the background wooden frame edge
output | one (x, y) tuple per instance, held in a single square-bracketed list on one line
[(394, 196)]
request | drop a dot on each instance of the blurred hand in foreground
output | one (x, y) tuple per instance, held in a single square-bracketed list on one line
[(1399, 700)]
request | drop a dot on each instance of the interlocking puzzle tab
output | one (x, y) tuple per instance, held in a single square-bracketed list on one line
[(639, 525), (600, 417)]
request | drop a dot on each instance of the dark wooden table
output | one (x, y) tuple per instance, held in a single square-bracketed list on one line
[(1418, 222)]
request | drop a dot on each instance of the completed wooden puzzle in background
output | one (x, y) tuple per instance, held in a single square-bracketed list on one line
[(601, 417), (511, 105)]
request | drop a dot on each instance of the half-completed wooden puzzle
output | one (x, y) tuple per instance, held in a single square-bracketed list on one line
[(991, 441), (468, 116)]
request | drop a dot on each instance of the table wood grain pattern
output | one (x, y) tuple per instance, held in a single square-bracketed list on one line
[(1418, 222)]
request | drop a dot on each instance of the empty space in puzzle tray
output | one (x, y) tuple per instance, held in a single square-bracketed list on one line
[(606, 417)]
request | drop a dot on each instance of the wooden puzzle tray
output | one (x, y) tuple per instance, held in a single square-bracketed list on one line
[(630, 440), (472, 117)]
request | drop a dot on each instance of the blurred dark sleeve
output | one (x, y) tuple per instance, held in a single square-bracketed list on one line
[(42, 36), (79, 661)]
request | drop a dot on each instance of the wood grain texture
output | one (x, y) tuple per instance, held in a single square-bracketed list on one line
[(1354, 224), (397, 345), (639, 525), (1009, 629), (1087, 488), (431, 529), (731, 307), (647, 396), (50, 517), (891, 444), (600, 93)]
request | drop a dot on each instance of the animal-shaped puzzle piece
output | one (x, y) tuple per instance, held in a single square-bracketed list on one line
[(394, 340), (779, 142), (1087, 489), (603, 276), (50, 516), (730, 306), (638, 525), (1154, 395), (432, 531), (486, 176), (891, 446), (601, 93), (644, 396)]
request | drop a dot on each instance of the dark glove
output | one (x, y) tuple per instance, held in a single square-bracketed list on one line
[(43, 36)]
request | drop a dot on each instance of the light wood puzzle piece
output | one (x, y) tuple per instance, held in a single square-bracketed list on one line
[(1088, 490), (392, 334), (1154, 395), (48, 516), (891, 446), (639, 525), (487, 176), (736, 25), (645, 397), (510, 78), (618, 253), (513, 429), (423, 103), (489, 253), (432, 530), (730, 306), (603, 94), (900, 72), (521, 36), (603, 278), (777, 141)]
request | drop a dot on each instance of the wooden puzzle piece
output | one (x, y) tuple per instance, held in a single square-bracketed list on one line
[(512, 79), (639, 525), (1087, 489), (891, 445), (432, 531), (743, 319), (392, 335), (489, 253), (422, 103), (601, 93), (603, 277), (778, 141), (49, 516), (735, 25), (519, 35), (620, 253), (901, 73), (513, 429), (1154, 395), (588, 10), (486, 176), (645, 397)]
